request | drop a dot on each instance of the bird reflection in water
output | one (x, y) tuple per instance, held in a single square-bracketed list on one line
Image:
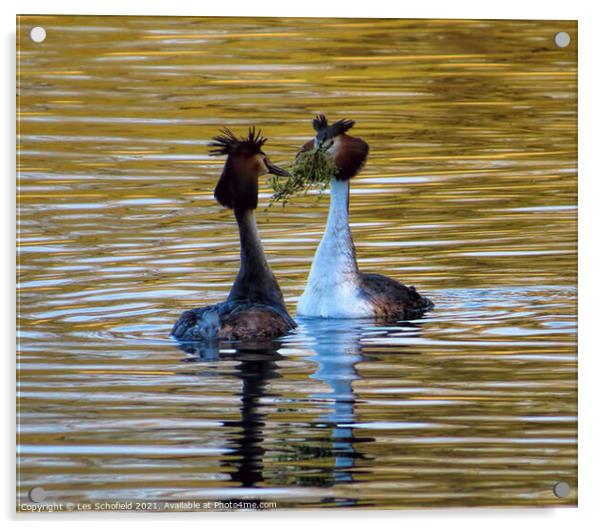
[(338, 349), (257, 365)]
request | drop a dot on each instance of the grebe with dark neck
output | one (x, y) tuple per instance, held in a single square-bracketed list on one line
[(335, 286), (255, 307)]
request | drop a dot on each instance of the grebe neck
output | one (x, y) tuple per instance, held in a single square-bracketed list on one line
[(337, 242), (255, 280), (334, 264), (333, 286)]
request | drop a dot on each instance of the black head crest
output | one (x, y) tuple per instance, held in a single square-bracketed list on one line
[(342, 126), (320, 122), (228, 143)]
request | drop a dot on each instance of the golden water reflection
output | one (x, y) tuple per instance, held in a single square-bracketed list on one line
[(469, 194)]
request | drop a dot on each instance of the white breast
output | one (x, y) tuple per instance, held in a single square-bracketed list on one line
[(333, 300), (332, 289)]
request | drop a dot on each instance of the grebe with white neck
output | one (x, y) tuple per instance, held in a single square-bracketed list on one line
[(255, 307), (335, 286)]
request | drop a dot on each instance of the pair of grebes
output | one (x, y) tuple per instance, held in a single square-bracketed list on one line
[(335, 287)]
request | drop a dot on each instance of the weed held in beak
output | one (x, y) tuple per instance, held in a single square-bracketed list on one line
[(312, 168)]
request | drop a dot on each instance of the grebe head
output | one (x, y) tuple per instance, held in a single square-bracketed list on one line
[(348, 152), (326, 134), (237, 187)]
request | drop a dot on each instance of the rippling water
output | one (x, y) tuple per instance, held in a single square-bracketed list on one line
[(469, 194)]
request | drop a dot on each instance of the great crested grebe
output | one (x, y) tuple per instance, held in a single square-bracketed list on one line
[(255, 308), (335, 286)]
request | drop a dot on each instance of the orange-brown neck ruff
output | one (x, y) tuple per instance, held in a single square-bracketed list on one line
[(350, 155), (255, 281), (237, 187)]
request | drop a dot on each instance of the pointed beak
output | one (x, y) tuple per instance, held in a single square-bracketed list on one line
[(274, 169), (322, 142)]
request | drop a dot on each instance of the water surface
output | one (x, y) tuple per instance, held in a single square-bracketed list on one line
[(469, 194)]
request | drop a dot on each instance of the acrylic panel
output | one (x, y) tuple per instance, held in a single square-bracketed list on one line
[(469, 193)]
